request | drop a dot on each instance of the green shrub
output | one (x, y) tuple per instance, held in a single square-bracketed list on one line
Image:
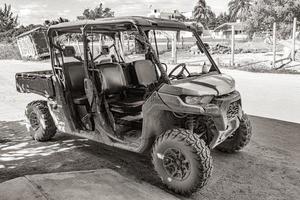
[(9, 51)]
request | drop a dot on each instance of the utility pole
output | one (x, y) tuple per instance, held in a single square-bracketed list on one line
[(232, 44), (294, 39), (274, 44), (174, 48)]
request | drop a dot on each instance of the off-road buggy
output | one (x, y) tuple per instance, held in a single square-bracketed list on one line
[(108, 83)]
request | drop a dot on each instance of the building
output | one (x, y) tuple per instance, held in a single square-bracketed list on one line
[(33, 44), (188, 15), (224, 31), (176, 15)]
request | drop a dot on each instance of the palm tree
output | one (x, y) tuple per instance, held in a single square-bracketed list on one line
[(98, 12), (239, 9), (7, 19), (202, 12)]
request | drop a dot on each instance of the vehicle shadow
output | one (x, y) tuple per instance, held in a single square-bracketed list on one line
[(266, 167), (20, 155)]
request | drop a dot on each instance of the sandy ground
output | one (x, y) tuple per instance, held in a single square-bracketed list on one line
[(267, 95), (12, 103), (269, 168)]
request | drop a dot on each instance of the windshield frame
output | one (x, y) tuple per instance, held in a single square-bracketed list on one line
[(200, 44), (142, 29)]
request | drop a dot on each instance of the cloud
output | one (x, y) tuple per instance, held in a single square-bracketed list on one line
[(66, 11), (36, 11), (29, 6), (24, 12)]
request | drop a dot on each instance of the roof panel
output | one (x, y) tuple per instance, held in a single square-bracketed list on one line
[(141, 21)]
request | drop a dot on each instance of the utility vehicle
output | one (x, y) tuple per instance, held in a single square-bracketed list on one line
[(114, 81)]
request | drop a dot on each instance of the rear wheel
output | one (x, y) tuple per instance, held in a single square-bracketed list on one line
[(41, 122), (182, 160), (239, 139)]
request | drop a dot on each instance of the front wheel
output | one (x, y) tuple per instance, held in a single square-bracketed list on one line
[(182, 160), (239, 139), (41, 123)]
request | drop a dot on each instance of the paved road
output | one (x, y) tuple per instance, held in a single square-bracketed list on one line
[(269, 168)]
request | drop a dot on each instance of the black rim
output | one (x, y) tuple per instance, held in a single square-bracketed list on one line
[(34, 121), (176, 164), (231, 137)]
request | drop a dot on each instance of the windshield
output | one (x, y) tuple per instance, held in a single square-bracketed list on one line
[(181, 48)]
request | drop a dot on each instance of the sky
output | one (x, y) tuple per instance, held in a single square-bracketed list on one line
[(37, 11)]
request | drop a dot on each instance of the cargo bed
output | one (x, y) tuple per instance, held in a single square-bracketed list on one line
[(38, 82)]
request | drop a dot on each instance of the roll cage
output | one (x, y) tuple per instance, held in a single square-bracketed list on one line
[(110, 26)]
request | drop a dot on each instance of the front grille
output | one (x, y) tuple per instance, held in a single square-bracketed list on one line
[(233, 110)]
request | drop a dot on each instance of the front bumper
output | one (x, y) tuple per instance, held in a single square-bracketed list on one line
[(219, 110), (226, 112), (220, 136)]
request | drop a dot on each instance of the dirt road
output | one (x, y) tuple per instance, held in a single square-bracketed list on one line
[(267, 95), (12, 103), (269, 168)]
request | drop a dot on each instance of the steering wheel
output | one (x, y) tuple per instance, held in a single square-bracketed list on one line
[(181, 72)]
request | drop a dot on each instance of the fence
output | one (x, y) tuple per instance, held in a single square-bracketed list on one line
[(266, 49), (282, 52)]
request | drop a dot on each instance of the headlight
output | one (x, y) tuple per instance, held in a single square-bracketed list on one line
[(192, 100)]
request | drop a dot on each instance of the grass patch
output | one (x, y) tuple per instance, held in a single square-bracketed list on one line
[(9, 51)]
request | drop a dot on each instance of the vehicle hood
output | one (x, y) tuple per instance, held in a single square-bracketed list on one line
[(216, 85)]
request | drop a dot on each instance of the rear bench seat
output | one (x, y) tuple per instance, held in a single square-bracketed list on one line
[(114, 86)]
